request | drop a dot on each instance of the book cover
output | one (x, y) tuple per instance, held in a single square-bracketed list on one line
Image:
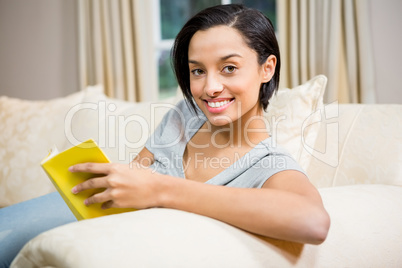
[(56, 166)]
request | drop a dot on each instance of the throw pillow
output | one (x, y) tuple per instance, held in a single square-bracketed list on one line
[(120, 128), (292, 116), (29, 129)]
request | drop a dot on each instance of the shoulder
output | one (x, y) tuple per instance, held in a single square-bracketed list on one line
[(269, 148), (273, 159)]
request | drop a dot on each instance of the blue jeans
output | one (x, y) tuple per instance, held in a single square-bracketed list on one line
[(21, 222)]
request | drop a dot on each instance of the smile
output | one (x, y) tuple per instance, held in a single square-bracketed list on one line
[(218, 106)]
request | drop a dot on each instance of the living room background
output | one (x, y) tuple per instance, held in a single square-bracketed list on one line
[(38, 51)]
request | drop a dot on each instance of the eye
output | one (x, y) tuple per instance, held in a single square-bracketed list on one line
[(197, 72), (229, 69)]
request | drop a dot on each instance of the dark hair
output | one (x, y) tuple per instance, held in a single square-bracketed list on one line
[(256, 29)]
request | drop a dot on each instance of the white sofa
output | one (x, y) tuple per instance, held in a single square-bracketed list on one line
[(351, 152)]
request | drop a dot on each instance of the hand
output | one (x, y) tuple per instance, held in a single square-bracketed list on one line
[(126, 186)]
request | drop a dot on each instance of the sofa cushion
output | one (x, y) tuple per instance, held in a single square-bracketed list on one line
[(292, 118), (366, 231), (28, 130), (358, 144)]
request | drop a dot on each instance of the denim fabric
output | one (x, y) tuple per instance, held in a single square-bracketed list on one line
[(21, 222)]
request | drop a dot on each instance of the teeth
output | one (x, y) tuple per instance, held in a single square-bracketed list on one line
[(217, 104)]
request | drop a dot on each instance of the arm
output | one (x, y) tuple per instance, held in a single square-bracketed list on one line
[(288, 207)]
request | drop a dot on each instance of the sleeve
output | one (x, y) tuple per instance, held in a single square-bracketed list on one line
[(274, 163), (256, 167)]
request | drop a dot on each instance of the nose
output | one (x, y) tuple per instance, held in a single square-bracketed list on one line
[(213, 86)]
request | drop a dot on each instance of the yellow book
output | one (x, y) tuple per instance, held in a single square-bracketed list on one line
[(56, 166)]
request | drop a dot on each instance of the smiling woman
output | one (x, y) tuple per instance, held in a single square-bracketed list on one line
[(212, 154), (170, 18), (216, 65), (227, 84)]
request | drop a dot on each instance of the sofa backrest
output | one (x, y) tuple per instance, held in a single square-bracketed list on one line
[(358, 144)]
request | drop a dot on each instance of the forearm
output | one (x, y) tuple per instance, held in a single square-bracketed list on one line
[(268, 212)]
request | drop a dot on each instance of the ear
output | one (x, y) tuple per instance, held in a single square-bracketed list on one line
[(268, 69)]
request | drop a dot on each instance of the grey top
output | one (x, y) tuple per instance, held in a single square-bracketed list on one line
[(178, 126)]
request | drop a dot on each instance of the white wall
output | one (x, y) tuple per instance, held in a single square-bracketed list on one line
[(38, 48), (386, 27)]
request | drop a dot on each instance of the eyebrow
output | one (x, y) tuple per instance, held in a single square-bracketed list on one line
[(222, 58)]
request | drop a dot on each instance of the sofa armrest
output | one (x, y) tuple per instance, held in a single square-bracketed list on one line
[(366, 231)]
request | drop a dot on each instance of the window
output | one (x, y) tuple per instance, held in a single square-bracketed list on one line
[(171, 15)]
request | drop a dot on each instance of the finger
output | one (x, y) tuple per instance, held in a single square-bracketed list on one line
[(96, 168), (94, 183), (97, 198), (107, 204)]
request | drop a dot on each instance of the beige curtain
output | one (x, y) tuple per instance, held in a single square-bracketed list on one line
[(328, 37), (111, 49)]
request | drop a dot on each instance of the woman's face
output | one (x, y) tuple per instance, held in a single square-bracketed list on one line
[(225, 77)]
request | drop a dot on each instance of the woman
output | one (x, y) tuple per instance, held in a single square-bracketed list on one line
[(212, 155), (226, 60)]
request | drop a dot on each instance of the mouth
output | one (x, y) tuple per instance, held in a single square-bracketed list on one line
[(218, 105)]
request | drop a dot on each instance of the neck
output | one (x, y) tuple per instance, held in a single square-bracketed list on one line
[(245, 131)]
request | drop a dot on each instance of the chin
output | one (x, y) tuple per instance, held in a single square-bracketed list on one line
[(220, 120)]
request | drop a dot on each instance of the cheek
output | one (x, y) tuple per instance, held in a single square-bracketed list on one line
[(248, 93), (245, 87), (195, 88)]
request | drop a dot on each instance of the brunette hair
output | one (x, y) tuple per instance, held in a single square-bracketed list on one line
[(256, 29)]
